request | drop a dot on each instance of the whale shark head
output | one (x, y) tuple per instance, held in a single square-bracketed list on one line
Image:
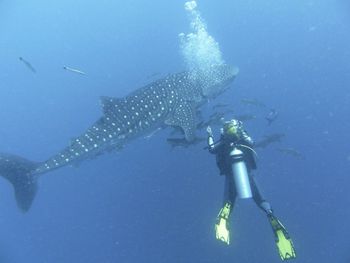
[(216, 79)]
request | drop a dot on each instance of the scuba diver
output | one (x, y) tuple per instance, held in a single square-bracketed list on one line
[(235, 158)]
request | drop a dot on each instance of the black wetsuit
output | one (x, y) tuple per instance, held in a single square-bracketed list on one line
[(222, 150)]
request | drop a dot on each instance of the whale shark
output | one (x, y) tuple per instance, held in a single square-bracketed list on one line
[(170, 101)]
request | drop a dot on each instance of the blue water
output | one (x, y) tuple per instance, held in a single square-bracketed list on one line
[(149, 203)]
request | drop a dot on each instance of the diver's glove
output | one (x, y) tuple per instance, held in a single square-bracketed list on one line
[(210, 139), (209, 131), (222, 231)]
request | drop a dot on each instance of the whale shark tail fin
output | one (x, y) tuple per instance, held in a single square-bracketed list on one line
[(20, 173)]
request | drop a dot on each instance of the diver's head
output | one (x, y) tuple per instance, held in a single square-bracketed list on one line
[(231, 128)]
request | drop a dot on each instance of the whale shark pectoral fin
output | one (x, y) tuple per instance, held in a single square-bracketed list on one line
[(184, 117), (111, 105)]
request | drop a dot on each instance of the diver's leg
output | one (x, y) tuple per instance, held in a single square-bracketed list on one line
[(258, 198), (230, 190), (222, 229), (283, 241)]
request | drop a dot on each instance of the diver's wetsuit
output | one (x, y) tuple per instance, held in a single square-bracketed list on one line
[(222, 150)]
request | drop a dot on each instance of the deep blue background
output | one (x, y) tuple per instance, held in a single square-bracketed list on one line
[(148, 203)]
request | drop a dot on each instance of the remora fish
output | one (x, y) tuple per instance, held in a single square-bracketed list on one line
[(268, 139), (220, 105), (253, 102), (291, 151), (218, 118), (169, 101), (245, 117), (214, 119), (74, 70), (182, 142), (28, 65)]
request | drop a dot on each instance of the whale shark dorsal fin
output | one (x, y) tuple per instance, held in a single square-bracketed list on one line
[(184, 117), (110, 105)]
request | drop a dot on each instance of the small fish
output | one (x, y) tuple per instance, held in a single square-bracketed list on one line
[(182, 142), (220, 105), (149, 136), (74, 70), (27, 64), (176, 131), (271, 116), (212, 122), (291, 152), (267, 140), (245, 117), (253, 102), (229, 111), (216, 118), (220, 114), (216, 115)]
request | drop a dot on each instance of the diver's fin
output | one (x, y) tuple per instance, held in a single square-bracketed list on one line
[(222, 231), (19, 172), (283, 241)]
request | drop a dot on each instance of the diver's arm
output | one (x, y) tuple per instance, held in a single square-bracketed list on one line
[(212, 146), (246, 139), (210, 139)]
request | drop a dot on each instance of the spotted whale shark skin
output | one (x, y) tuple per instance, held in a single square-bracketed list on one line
[(170, 101)]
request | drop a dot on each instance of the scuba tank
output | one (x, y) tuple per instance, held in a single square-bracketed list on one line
[(240, 173)]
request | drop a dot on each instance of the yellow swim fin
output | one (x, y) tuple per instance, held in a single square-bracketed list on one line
[(222, 225), (283, 241)]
